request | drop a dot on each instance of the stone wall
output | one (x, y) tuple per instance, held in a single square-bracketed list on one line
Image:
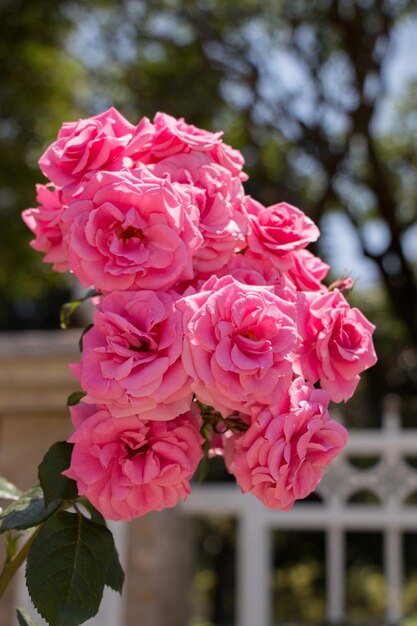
[(34, 384)]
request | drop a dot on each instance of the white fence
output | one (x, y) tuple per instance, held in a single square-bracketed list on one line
[(391, 479)]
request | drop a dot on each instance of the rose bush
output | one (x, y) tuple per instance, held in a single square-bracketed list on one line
[(213, 333), (211, 312)]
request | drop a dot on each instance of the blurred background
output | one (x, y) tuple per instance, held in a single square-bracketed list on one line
[(321, 98)]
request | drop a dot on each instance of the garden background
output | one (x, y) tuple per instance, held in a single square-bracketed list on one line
[(321, 98)]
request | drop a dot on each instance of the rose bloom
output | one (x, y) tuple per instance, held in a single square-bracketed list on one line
[(128, 467), (307, 271), (45, 221), (168, 136), (175, 135), (281, 457), (86, 145), (252, 269), (219, 196), (277, 230), (336, 343), (238, 344), (131, 230), (131, 359)]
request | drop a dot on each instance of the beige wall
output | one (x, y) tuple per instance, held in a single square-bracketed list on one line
[(34, 384)]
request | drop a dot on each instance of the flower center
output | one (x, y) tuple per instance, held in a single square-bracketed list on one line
[(129, 232), (142, 347), (132, 452), (132, 446)]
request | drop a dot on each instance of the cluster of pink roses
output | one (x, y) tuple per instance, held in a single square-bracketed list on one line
[(212, 318)]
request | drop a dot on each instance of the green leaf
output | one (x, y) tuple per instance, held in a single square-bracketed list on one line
[(95, 515), (11, 543), (85, 330), (204, 463), (203, 469), (115, 576), (75, 397), (68, 308), (27, 512), (24, 619), (8, 491), (66, 568), (56, 486)]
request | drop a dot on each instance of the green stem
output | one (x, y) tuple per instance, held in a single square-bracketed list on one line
[(10, 567)]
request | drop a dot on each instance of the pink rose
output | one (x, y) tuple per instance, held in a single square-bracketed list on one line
[(131, 358), (137, 150), (280, 458), (45, 221), (336, 343), (307, 271), (277, 230), (173, 136), (85, 146), (238, 344), (223, 224), (231, 159), (219, 196), (128, 467), (252, 269), (130, 230)]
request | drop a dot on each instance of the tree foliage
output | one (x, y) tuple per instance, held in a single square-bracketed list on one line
[(37, 86)]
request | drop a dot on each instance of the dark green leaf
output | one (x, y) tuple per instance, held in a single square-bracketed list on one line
[(75, 397), (115, 575), (8, 491), (203, 469), (24, 619), (86, 329), (56, 486), (27, 512), (95, 515), (66, 568)]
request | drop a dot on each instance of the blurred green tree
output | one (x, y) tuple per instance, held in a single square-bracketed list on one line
[(39, 84)]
